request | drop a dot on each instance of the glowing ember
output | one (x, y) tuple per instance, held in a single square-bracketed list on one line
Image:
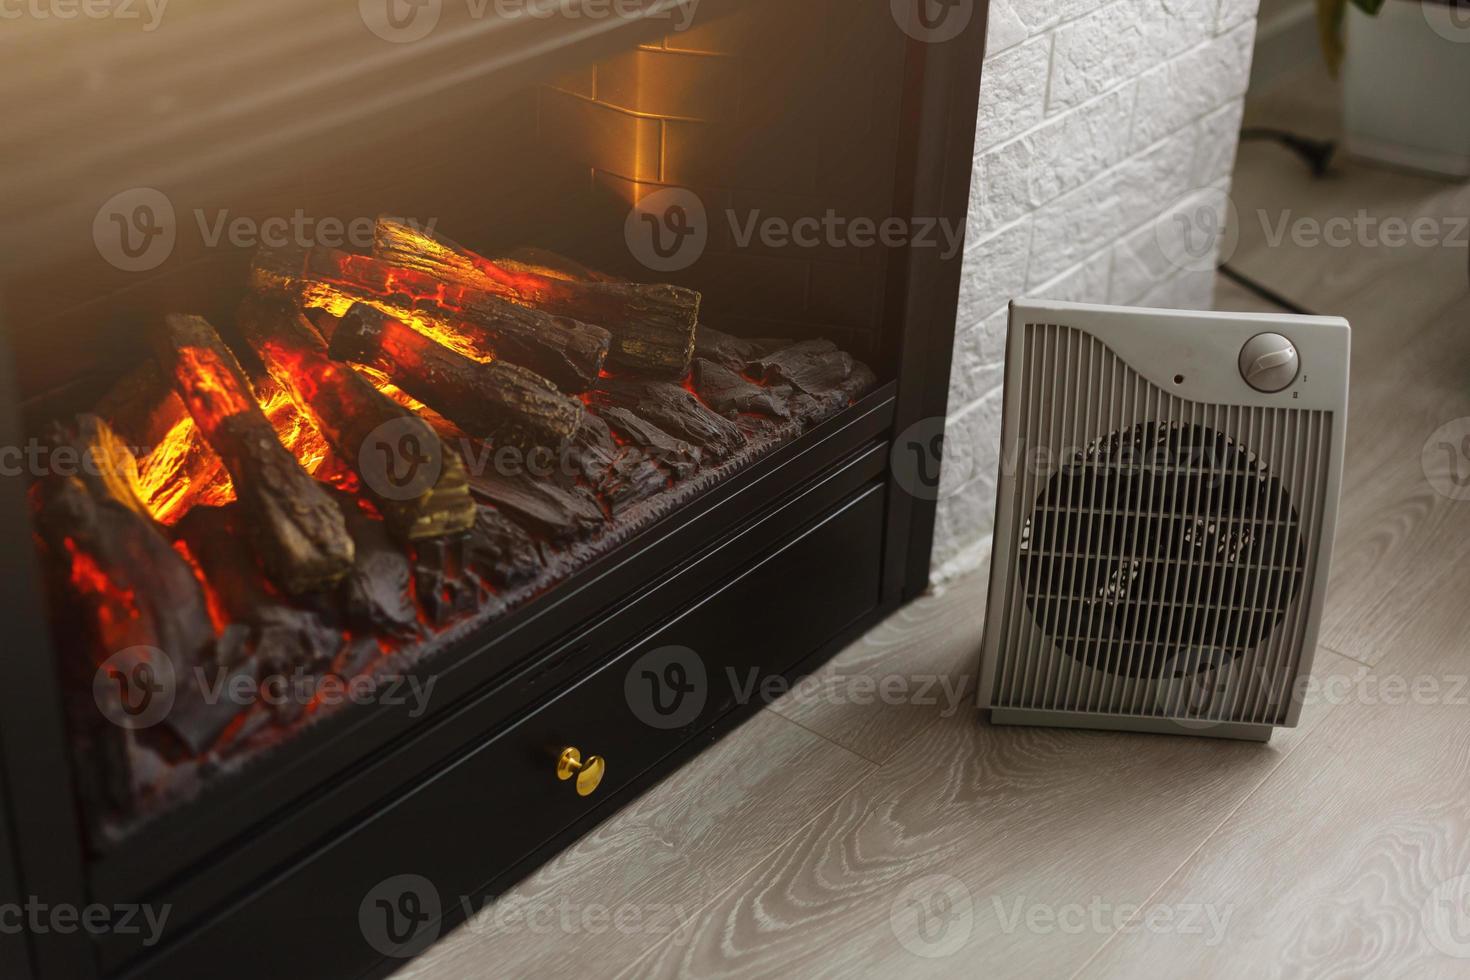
[(114, 607), (167, 491)]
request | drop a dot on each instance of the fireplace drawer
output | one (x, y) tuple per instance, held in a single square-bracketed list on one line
[(482, 814)]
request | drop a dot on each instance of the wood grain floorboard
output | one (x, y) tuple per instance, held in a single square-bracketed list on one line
[(1007, 822), (883, 690), (1399, 544), (1402, 547), (645, 870), (1349, 861)]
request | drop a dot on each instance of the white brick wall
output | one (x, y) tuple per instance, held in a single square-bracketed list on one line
[(1098, 121)]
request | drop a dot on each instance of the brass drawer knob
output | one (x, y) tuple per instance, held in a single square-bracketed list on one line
[(588, 773)]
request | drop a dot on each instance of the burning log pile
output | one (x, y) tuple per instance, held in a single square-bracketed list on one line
[(388, 450)]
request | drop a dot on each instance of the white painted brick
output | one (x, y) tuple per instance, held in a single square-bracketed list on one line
[(1121, 40), (1214, 150), (1015, 93), (979, 362), (1195, 83), (1026, 173), (1042, 15), (994, 272), (1085, 283), (1174, 26), (1160, 252), (962, 519), (1075, 205), (1074, 227), (1081, 223), (1003, 29), (1095, 53), (1233, 13), (1155, 179), (971, 444), (973, 559)]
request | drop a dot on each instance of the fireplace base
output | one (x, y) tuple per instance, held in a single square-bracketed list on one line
[(701, 644)]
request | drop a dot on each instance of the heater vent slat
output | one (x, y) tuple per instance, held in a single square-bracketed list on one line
[(1160, 559)]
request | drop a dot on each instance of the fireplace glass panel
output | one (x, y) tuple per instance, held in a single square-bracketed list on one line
[(387, 389)]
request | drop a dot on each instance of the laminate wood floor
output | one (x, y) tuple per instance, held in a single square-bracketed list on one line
[(837, 836)]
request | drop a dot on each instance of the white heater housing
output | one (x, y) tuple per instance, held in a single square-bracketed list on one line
[(1165, 510)]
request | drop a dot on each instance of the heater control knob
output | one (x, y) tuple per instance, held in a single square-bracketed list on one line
[(1269, 362)]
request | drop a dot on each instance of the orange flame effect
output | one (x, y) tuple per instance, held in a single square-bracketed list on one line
[(115, 607), (163, 481)]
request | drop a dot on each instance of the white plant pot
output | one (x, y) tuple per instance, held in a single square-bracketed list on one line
[(1406, 86)]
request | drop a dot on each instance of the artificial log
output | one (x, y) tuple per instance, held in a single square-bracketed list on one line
[(502, 552), (560, 514), (673, 409), (813, 366), (381, 440), (138, 590), (653, 327), (807, 408), (735, 353), (278, 633), (297, 529), (594, 450), (730, 394), (497, 401), (443, 582), (465, 317), (176, 468), (634, 476), (680, 457), (543, 261), (124, 584), (376, 596), (618, 475)]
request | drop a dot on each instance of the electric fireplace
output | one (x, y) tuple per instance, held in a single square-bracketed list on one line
[(422, 420)]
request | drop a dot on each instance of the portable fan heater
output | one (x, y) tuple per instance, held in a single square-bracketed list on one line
[(1165, 509)]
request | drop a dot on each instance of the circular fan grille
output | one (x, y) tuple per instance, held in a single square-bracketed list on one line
[(1161, 550)]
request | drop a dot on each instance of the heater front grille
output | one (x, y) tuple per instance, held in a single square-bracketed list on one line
[(1169, 540), (1160, 555)]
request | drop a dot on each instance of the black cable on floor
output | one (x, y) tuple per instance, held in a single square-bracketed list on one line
[(1316, 153), (1265, 292)]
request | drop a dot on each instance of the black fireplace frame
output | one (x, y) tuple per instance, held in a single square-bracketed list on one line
[(843, 464)]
